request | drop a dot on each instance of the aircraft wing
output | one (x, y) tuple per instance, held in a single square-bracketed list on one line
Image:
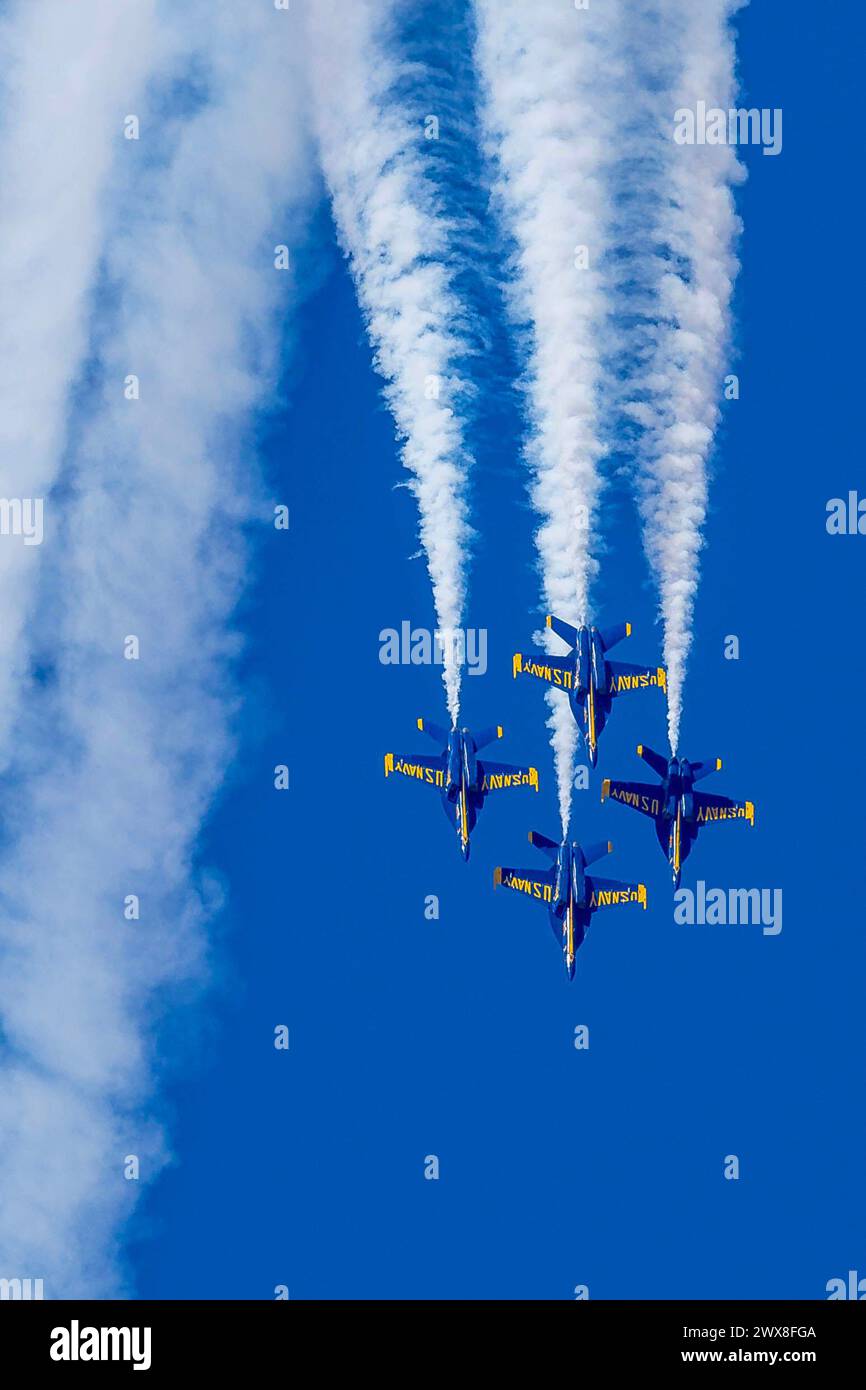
[(535, 883), (557, 671), (500, 776), (610, 892), (625, 676), (710, 808), (420, 767), (645, 797)]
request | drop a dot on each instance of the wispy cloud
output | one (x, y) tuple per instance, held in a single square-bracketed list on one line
[(68, 81), (392, 226), (120, 758)]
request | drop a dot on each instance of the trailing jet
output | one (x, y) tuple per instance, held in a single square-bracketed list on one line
[(464, 780), (587, 677), (677, 809), (569, 893)]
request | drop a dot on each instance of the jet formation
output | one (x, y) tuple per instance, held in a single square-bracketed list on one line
[(591, 683)]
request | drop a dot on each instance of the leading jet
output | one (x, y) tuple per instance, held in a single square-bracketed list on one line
[(587, 677), (569, 893), (677, 809), (462, 778)]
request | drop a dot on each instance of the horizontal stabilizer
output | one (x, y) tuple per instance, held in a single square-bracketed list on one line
[(563, 630), (597, 851), (435, 731), (611, 635), (548, 847), (658, 764), (485, 736), (705, 767)]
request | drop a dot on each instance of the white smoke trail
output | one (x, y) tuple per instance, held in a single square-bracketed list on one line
[(546, 70), (391, 226), (121, 758), (678, 378), (61, 122)]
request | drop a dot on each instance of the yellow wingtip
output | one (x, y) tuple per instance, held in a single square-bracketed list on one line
[(628, 629), (499, 731), (605, 788), (420, 724), (547, 620), (497, 877)]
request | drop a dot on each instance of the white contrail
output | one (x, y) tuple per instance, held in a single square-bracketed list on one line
[(677, 382), (120, 759), (61, 123), (547, 71), (392, 227)]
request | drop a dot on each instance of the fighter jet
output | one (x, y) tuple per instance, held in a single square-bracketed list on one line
[(567, 891), (459, 774), (586, 676), (677, 809)]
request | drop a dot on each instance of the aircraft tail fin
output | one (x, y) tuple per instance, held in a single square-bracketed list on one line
[(655, 760), (562, 629), (434, 731)]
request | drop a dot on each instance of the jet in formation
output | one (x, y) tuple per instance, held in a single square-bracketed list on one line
[(463, 779), (569, 893), (590, 681), (677, 809)]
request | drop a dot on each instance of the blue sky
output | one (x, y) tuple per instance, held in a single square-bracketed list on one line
[(193, 348), (454, 1037)]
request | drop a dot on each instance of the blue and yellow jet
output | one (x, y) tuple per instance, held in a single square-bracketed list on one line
[(464, 780), (677, 809), (589, 680), (569, 893)]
